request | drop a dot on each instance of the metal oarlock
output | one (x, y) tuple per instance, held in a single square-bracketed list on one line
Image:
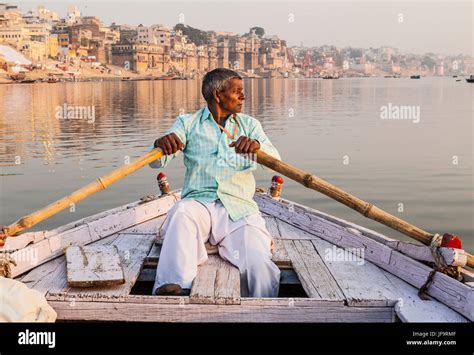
[(275, 189), (163, 184)]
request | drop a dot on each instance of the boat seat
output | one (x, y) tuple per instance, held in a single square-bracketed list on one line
[(217, 282)]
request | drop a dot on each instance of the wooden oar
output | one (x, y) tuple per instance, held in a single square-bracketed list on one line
[(361, 206), (308, 180), (78, 195)]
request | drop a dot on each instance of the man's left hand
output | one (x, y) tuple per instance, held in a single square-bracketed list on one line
[(245, 145)]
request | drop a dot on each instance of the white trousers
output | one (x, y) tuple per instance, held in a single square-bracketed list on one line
[(245, 243)]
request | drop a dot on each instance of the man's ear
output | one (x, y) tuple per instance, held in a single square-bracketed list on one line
[(216, 96)]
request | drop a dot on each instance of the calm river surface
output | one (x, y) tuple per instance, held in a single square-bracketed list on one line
[(422, 172)]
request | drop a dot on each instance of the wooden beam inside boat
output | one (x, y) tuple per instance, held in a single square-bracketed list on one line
[(156, 309)]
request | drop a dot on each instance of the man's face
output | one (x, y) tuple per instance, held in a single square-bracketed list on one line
[(232, 98)]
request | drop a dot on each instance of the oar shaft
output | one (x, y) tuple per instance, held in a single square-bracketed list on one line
[(84, 192), (361, 206)]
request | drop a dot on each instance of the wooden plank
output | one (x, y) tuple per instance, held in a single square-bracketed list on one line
[(451, 292), (131, 217), (280, 256), (289, 302), (175, 195), (413, 309), (154, 312), (49, 248), (151, 259), (137, 299), (415, 251), (133, 249), (245, 301), (411, 249), (288, 231), (270, 223), (21, 241), (315, 277), (456, 295), (264, 200), (52, 276), (217, 282), (94, 265), (55, 242), (362, 283), (152, 226)]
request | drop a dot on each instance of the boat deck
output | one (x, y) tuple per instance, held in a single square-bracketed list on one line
[(316, 285)]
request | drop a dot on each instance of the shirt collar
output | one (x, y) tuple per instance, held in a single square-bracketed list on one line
[(206, 113)]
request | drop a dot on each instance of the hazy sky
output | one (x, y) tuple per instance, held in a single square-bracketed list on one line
[(423, 26)]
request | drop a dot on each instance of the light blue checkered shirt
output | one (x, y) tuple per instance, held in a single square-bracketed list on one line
[(213, 169)]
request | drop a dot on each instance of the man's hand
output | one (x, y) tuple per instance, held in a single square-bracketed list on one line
[(170, 144), (245, 145)]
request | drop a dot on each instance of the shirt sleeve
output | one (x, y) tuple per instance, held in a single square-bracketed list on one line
[(179, 129)]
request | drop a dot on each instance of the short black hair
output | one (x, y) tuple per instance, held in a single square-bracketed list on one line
[(217, 80)]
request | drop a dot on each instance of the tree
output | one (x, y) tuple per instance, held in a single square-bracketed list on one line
[(195, 35), (356, 53), (259, 31), (428, 62)]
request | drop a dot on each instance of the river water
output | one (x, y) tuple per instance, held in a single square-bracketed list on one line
[(345, 131)]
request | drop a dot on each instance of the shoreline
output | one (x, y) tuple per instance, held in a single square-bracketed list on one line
[(135, 77)]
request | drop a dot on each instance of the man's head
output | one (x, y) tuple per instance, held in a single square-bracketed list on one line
[(223, 88)]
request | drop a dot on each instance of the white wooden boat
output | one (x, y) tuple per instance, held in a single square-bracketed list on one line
[(383, 287)]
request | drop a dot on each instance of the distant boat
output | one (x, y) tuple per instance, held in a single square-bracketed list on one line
[(415, 77), (470, 79), (18, 77), (455, 76), (330, 77)]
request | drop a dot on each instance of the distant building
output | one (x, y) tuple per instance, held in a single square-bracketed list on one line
[(73, 15), (156, 34), (223, 51), (440, 69), (140, 58)]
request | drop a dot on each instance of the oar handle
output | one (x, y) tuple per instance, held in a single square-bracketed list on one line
[(78, 195), (361, 206)]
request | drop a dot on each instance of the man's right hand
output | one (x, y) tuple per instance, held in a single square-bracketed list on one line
[(170, 144)]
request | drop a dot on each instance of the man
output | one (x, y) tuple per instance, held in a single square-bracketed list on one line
[(217, 203)]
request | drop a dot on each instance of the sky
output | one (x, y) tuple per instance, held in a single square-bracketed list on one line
[(444, 27)]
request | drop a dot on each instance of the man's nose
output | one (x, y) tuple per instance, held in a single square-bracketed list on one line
[(242, 97)]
